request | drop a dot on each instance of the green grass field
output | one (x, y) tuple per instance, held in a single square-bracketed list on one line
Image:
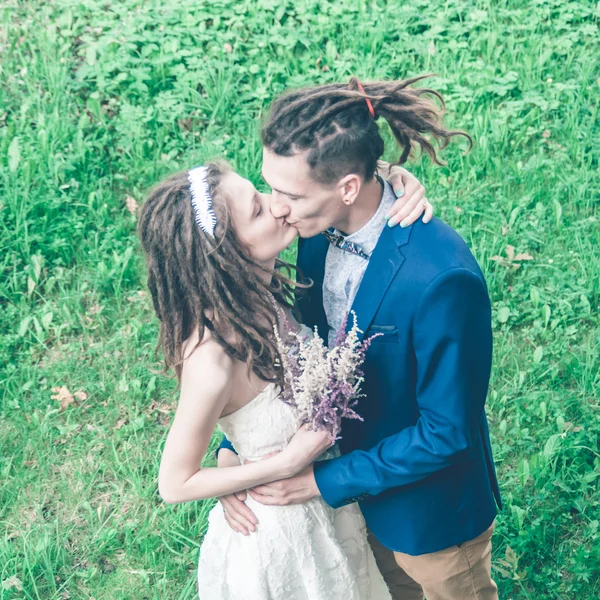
[(98, 100)]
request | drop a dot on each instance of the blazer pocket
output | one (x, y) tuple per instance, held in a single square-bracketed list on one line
[(384, 333)]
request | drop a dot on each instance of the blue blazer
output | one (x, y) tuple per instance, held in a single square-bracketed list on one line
[(420, 464)]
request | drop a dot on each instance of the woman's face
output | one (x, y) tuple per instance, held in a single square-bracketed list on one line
[(255, 226)]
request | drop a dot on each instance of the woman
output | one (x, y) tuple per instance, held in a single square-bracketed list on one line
[(212, 247)]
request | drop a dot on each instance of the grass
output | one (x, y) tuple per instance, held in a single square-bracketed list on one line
[(99, 100)]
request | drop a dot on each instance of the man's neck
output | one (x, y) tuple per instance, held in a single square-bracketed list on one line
[(363, 209)]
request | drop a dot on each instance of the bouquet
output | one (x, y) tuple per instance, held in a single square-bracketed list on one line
[(321, 383)]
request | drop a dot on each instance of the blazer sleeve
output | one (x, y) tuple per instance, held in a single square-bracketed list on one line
[(225, 443), (452, 341)]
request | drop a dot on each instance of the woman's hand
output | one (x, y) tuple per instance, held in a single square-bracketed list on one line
[(411, 203), (304, 448)]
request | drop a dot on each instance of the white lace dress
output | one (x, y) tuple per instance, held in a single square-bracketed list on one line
[(301, 552)]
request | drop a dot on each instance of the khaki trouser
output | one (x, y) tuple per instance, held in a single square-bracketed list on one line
[(457, 573)]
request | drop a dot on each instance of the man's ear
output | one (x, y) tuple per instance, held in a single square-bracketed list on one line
[(349, 188)]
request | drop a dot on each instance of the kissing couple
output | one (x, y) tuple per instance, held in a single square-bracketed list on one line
[(404, 505)]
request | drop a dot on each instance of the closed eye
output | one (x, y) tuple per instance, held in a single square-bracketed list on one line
[(258, 204)]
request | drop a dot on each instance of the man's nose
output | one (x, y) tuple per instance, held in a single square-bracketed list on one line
[(279, 208)]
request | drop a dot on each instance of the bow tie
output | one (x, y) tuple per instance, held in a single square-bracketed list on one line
[(339, 241)]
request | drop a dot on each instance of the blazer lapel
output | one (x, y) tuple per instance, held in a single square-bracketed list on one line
[(311, 261), (311, 257), (385, 262)]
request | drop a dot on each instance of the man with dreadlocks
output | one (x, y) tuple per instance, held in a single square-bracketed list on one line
[(420, 464)]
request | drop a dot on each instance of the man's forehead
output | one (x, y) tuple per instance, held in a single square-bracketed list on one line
[(287, 174)]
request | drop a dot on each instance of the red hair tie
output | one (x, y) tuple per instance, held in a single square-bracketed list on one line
[(371, 109)]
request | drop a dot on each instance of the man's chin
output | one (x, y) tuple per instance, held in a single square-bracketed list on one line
[(306, 232)]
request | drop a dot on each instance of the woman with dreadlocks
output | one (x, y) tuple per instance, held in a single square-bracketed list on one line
[(217, 286)]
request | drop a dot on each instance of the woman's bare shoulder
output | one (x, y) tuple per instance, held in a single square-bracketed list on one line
[(205, 359)]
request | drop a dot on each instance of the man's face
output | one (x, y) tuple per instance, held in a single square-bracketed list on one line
[(305, 204)]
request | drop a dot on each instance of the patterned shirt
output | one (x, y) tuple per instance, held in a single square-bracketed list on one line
[(344, 271)]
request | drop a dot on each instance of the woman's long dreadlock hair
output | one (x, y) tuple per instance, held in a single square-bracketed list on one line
[(197, 281), (334, 123)]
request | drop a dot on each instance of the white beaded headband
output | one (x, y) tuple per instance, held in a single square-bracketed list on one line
[(201, 200)]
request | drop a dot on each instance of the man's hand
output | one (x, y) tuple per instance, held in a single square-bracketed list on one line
[(238, 516), (295, 490), (411, 203)]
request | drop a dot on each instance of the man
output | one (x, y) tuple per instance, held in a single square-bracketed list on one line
[(420, 464)]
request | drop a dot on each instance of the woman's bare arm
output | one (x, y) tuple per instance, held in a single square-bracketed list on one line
[(206, 388)]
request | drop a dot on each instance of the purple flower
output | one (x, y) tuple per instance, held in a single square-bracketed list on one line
[(323, 385)]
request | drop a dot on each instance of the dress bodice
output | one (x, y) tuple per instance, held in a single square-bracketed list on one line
[(265, 425), (305, 551)]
